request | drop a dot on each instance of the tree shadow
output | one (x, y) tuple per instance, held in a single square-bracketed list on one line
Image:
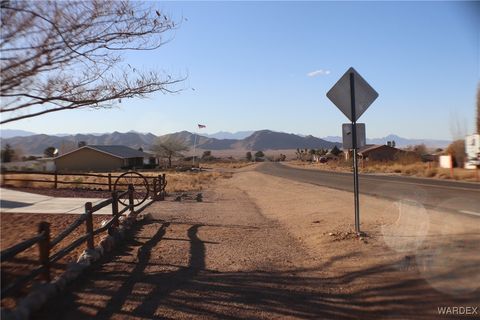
[(194, 292)]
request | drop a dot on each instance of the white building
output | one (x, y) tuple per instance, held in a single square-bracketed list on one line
[(472, 149)]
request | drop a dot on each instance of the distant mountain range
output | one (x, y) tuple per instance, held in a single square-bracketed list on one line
[(34, 144), (229, 135), (399, 141), (10, 133), (258, 140)]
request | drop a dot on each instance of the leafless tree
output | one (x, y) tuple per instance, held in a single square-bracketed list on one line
[(168, 149), (457, 150), (60, 55)]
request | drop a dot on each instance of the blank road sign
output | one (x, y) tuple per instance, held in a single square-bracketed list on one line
[(339, 94), (348, 136)]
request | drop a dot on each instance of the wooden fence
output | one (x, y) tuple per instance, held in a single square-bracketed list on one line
[(52, 178), (46, 244)]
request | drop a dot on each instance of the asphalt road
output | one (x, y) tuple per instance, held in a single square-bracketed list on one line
[(462, 197)]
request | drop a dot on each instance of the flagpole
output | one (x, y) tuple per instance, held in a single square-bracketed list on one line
[(194, 145), (200, 126)]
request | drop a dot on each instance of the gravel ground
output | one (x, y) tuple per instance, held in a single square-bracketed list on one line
[(260, 247), (17, 227)]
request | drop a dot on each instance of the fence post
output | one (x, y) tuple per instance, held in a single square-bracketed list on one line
[(109, 182), (162, 187), (130, 197), (4, 172), (114, 212), (155, 191), (55, 182), (89, 225), (44, 249)]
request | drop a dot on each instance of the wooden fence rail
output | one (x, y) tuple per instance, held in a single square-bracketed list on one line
[(45, 244), (55, 182)]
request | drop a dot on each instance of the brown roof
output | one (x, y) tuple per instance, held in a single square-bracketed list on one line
[(370, 147), (118, 151)]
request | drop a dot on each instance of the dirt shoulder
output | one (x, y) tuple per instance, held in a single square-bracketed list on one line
[(260, 247)]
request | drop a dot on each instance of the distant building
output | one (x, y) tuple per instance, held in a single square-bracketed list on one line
[(472, 149), (99, 158), (445, 161), (371, 152)]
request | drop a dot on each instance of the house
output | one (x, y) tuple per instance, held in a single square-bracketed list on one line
[(99, 158), (372, 152)]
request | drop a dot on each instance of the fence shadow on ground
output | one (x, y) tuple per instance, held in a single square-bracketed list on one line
[(195, 292)]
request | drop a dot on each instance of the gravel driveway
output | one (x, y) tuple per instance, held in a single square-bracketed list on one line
[(235, 256)]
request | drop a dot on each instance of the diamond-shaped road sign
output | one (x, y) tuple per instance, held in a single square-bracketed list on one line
[(339, 94)]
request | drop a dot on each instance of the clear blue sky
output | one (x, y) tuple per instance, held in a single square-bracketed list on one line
[(248, 64)]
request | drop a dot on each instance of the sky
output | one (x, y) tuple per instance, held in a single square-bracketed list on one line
[(269, 65)]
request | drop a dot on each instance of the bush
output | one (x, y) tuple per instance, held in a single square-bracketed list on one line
[(457, 150), (431, 173), (259, 154)]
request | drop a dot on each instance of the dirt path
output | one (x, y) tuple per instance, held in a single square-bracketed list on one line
[(253, 249)]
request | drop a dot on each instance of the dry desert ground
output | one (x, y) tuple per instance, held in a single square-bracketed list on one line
[(262, 247)]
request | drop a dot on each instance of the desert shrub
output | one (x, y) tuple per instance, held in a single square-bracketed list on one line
[(259, 154), (77, 182), (405, 158), (24, 184), (457, 150), (431, 173)]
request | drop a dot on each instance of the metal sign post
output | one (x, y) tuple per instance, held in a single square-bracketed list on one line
[(353, 95), (355, 160)]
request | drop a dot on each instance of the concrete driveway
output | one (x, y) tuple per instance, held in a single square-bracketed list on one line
[(24, 202)]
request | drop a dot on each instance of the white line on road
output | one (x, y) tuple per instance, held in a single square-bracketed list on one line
[(470, 212), (376, 178), (419, 184)]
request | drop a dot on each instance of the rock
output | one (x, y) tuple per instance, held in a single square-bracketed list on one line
[(144, 217), (107, 243), (331, 234), (60, 283), (199, 197), (100, 249), (89, 255)]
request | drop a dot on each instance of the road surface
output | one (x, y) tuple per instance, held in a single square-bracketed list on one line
[(463, 197)]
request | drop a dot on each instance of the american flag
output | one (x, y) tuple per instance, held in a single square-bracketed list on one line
[(200, 126)]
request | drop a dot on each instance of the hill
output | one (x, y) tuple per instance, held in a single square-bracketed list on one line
[(10, 133), (400, 142), (36, 144), (229, 135), (271, 140), (259, 140)]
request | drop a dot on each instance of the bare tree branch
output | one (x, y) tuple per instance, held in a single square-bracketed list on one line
[(60, 55)]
